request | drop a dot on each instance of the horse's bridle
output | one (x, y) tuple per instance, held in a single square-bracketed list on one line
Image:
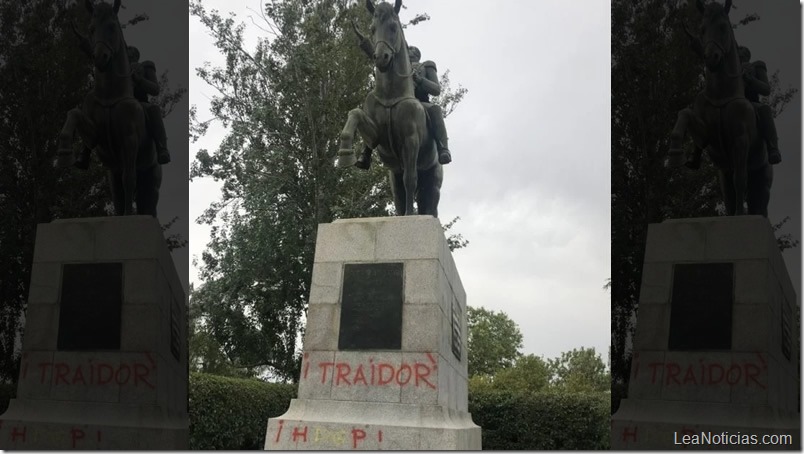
[(394, 52), (112, 53)]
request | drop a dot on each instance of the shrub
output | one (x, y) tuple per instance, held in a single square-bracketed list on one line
[(231, 413)]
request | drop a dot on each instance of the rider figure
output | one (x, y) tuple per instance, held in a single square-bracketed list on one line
[(755, 79), (425, 79), (145, 82)]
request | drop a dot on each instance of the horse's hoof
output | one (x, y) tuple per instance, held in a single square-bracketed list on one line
[(64, 158), (364, 164), (346, 158), (675, 158), (774, 157)]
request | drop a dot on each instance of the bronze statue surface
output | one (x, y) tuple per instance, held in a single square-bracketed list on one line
[(112, 121), (724, 121), (394, 121)]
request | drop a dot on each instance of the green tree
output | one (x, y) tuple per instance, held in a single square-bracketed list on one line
[(283, 104), (649, 85), (494, 341), (580, 370)]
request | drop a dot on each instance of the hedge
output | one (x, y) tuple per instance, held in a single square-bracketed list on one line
[(232, 414), (542, 421)]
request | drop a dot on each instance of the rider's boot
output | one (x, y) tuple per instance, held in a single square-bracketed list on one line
[(440, 133), (159, 134), (364, 161), (83, 158), (694, 160), (768, 129)]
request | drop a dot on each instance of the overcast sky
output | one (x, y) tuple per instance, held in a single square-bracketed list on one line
[(530, 175)]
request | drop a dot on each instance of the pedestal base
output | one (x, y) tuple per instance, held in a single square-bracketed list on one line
[(104, 352)]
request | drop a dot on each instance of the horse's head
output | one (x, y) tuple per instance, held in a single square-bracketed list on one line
[(386, 33), (716, 33), (105, 34)]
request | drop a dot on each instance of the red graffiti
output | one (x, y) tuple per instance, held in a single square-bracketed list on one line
[(300, 433), (357, 435), (379, 374), (630, 434), (327, 437), (707, 373), (94, 373), (279, 431), (77, 434), (15, 432)]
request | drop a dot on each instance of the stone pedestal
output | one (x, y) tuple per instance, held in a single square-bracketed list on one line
[(716, 347), (104, 353), (385, 359)]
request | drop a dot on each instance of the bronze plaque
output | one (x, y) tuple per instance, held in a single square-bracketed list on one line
[(457, 325), (371, 307), (701, 306), (90, 306)]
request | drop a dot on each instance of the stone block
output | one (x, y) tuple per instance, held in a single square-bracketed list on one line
[(727, 240), (86, 376), (647, 375), (422, 327), (36, 375), (751, 282), (653, 330), (140, 282), (64, 242), (675, 242), (44, 322), (345, 242), (423, 388), (323, 327), (657, 280), (326, 283), (421, 283), (45, 283), (411, 237), (129, 238), (698, 377), (378, 376), (143, 327), (752, 328), (316, 375)]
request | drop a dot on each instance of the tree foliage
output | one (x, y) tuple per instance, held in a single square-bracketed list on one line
[(494, 341), (654, 74), (283, 104)]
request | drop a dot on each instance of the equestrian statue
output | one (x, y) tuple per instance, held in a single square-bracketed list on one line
[(397, 118), (727, 118), (115, 118)]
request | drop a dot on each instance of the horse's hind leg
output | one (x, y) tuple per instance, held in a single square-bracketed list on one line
[(430, 190), (727, 189), (398, 191), (148, 183), (759, 185), (116, 189)]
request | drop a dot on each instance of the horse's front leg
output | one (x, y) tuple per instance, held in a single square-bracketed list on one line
[(410, 172), (76, 120), (686, 121), (358, 121)]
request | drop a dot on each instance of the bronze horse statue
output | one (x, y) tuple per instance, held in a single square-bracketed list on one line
[(112, 121), (394, 122), (723, 121)]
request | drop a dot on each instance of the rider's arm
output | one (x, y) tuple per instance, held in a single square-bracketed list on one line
[(149, 80), (759, 79), (430, 82)]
